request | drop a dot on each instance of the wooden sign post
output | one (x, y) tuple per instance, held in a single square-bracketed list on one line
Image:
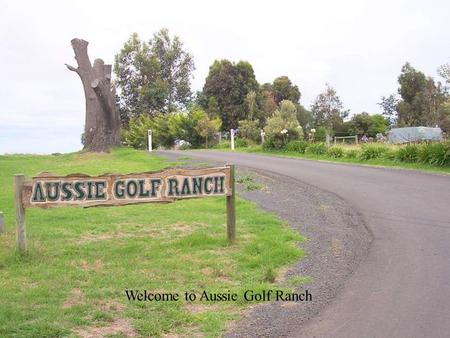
[(21, 235), (47, 191), (2, 223)]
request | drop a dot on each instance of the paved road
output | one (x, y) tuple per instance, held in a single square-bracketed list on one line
[(402, 289)]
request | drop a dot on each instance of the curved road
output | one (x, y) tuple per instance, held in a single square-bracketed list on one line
[(402, 288)]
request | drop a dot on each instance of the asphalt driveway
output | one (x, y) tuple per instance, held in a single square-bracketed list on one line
[(402, 287)]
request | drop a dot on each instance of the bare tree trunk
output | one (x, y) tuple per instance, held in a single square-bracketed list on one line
[(102, 125)]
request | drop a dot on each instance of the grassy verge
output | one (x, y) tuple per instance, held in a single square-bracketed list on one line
[(72, 281), (381, 162)]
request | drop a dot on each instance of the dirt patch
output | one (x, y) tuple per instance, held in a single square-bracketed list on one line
[(96, 266), (207, 271), (174, 335), (167, 231), (75, 297), (117, 326), (109, 306)]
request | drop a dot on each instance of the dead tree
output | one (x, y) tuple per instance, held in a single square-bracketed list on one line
[(102, 125)]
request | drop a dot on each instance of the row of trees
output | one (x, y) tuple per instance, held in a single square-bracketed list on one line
[(421, 101), (153, 79)]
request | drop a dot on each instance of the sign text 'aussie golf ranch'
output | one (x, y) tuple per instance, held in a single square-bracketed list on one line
[(47, 190)]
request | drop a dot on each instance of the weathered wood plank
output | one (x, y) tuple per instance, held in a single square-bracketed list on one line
[(231, 208), (2, 223), (47, 190), (20, 213)]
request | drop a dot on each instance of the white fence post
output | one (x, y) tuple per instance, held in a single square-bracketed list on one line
[(150, 148), (232, 139)]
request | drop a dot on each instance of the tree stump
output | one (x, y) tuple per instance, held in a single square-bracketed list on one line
[(102, 125)]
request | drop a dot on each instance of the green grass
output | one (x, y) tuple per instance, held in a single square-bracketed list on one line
[(381, 162), (72, 281)]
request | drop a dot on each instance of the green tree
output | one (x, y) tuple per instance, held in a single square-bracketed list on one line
[(153, 76), (421, 98), (370, 125), (207, 127), (283, 126), (283, 89), (444, 71), (250, 130), (388, 105), (251, 104), (328, 111), (304, 116), (229, 83), (267, 102)]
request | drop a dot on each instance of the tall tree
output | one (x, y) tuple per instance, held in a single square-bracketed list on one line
[(444, 71), (420, 100), (250, 100), (153, 76), (328, 110), (370, 125), (388, 105), (229, 83), (102, 125), (283, 89), (267, 100)]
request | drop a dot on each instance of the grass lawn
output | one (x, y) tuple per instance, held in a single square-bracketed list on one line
[(382, 162), (72, 281)]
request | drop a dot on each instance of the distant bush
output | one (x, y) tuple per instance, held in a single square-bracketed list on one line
[(283, 125), (316, 148), (391, 154), (298, 146), (409, 153), (241, 143), (223, 145), (271, 143), (351, 153), (435, 153), (249, 129), (321, 134), (372, 151), (335, 152)]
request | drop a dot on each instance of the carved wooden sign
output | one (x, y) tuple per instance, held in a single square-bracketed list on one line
[(47, 190)]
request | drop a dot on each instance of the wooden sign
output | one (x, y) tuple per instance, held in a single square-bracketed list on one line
[(47, 190)]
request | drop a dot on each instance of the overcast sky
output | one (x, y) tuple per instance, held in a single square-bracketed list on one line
[(356, 46)]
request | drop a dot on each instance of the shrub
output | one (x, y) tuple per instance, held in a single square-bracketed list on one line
[(408, 154), (223, 145), (317, 148), (298, 146), (335, 152), (351, 153), (391, 154), (269, 144), (372, 151), (241, 143), (283, 125), (249, 129), (321, 134), (435, 153)]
